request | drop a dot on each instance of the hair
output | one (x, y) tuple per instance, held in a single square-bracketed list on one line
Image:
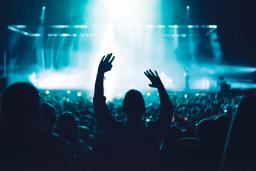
[(20, 104), (133, 103), (67, 126), (240, 144), (47, 116)]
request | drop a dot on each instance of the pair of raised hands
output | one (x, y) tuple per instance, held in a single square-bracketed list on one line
[(106, 65)]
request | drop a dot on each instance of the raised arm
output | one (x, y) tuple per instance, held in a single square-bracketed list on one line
[(166, 107), (102, 113)]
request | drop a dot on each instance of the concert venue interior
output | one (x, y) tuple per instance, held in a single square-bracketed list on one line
[(58, 45), (200, 48)]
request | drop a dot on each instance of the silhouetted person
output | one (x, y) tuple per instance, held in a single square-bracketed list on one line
[(212, 133), (171, 157), (23, 145), (68, 129), (131, 146), (187, 80), (240, 149), (47, 118)]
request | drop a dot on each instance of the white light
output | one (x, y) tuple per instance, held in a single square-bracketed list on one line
[(161, 26), (79, 94), (197, 94), (65, 35), (188, 7), (147, 120), (185, 96), (47, 92), (148, 94), (68, 92), (213, 26)]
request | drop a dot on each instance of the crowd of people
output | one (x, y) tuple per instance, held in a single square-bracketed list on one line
[(160, 130)]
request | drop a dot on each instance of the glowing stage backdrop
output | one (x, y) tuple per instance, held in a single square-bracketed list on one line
[(66, 56)]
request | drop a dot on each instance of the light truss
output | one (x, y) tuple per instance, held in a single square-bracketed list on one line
[(93, 30)]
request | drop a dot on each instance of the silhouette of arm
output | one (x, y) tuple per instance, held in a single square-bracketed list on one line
[(166, 107), (102, 113)]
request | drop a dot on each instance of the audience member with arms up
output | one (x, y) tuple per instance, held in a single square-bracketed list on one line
[(130, 146)]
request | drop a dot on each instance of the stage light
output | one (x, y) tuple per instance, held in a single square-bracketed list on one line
[(185, 96), (148, 94), (147, 120), (197, 94), (79, 94), (68, 91), (212, 26), (47, 92), (188, 7)]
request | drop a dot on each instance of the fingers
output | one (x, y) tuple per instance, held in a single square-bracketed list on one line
[(111, 60), (102, 59), (151, 74), (156, 73), (147, 73), (108, 57)]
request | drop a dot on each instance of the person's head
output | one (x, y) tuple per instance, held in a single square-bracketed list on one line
[(47, 117), (67, 126), (204, 130), (245, 117), (134, 105), (20, 104)]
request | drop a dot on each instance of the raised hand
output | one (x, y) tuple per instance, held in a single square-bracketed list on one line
[(106, 63), (154, 78)]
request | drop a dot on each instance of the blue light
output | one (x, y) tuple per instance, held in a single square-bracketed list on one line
[(188, 7), (213, 26), (47, 92)]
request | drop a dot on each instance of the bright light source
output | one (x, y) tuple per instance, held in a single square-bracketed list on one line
[(147, 120), (68, 92), (197, 94), (213, 26), (47, 92), (185, 96), (79, 94), (188, 7), (148, 94)]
